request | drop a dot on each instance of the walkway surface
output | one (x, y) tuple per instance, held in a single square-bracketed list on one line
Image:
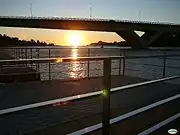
[(16, 73), (4, 55), (72, 116)]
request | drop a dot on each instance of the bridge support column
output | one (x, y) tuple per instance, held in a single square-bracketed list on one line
[(132, 38), (151, 37), (140, 42)]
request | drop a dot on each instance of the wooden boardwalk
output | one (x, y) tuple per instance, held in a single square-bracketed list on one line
[(72, 116)]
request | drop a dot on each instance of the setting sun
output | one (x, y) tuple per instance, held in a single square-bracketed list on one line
[(75, 38)]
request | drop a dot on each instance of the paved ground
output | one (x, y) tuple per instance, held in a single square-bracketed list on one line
[(4, 55), (145, 120), (164, 130), (16, 73), (15, 94), (72, 116)]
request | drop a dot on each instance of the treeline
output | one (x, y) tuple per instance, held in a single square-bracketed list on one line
[(166, 40), (101, 43), (14, 41)]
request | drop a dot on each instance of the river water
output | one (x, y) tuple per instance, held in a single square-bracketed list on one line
[(148, 68)]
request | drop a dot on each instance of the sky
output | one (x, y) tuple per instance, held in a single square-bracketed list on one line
[(143, 10)]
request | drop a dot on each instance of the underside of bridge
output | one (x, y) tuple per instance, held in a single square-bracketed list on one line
[(140, 42), (154, 34)]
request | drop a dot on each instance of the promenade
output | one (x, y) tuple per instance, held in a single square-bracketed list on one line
[(16, 73), (69, 117)]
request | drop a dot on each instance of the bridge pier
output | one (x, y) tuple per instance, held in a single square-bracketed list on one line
[(132, 38), (137, 42)]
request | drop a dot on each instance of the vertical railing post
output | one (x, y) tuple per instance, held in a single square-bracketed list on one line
[(38, 58), (26, 55), (12, 52), (88, 62), (164, 65), (106, 97), (31, 55), (49, 64), (1, 67), (15, 53), (18, 51), (21, 53), (23, 56), (120, 62), (124, 64)]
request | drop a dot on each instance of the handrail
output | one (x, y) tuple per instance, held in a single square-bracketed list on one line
[(57, 60), (70, 59), (89, 47), (124, 116), (151, 56), (82, 96)]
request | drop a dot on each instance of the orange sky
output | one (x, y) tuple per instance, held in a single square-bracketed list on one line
[(59, 36)]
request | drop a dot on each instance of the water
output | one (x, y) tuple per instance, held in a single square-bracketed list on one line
[(148, 68)]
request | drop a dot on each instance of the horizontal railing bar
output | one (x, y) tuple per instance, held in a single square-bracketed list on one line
[(58, 59), (159, 125), (144, 64), (151, 56), (143, 83), (61, 47), (70, 59), (125, 116), (87, 47), (172, 67), (96, 69), (27, 73), (132, 69), (152, 65), (50, 102), (77, 97), (173, 59)]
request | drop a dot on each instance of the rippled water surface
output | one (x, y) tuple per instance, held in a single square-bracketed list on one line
[(149, 68)]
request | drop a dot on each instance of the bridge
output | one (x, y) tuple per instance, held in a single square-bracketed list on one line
[(124, 28)]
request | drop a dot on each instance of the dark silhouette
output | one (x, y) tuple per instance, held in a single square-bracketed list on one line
[(115, 43), (166, 40), (14, 41)]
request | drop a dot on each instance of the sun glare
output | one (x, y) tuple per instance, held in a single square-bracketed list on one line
[(75, 39)]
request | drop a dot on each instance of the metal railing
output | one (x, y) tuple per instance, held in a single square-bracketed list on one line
[(105, 91), (90, 69)]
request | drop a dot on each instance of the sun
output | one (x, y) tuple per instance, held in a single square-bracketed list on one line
[(75, 39)]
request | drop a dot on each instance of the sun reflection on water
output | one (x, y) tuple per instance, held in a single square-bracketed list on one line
[(74, 53), (74, 65)]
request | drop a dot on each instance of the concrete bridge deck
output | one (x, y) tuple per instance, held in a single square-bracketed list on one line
[(72, 116)]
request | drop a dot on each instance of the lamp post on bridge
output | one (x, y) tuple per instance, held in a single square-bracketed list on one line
[(31, 9)]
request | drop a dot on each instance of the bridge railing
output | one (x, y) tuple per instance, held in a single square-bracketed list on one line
[(105, 92), (86, 19)]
